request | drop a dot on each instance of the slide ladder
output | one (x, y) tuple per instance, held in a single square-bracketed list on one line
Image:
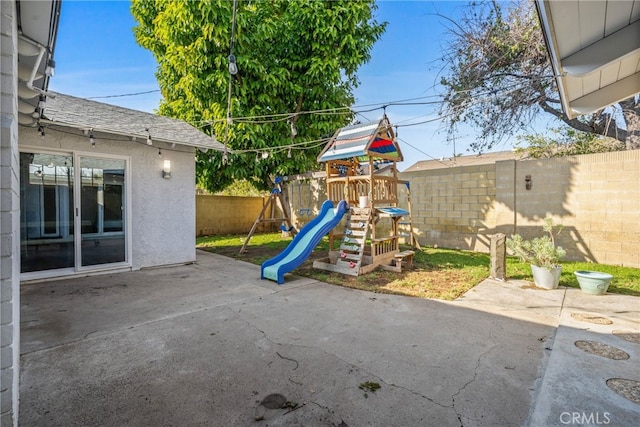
[(354, 241)]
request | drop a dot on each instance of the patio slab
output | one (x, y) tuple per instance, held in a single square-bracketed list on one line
[(211, 343)]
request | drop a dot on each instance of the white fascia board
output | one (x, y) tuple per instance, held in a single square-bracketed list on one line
[(608, 95), (546, 23)]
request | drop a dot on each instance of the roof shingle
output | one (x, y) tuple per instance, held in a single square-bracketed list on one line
[(86, 114)]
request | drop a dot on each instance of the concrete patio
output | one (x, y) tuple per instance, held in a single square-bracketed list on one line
[(211, 344)]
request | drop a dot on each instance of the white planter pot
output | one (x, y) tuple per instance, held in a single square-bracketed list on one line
[(545, 278)]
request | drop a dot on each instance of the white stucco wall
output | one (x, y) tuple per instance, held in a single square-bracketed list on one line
[(162, 210)]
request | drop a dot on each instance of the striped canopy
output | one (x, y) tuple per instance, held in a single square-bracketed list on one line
[(363, 141)]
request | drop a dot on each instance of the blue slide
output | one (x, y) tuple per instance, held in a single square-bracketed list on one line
[(304, 242)]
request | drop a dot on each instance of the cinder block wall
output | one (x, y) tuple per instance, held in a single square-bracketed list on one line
[(217, 215), (453, 207), (9, 218), (305, 199), (596, 197)]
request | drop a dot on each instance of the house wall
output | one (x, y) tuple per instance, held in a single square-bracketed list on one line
[(162, 210), (9, 219), (594, 196)]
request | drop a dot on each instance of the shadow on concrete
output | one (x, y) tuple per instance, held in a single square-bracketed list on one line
[(206, 344)]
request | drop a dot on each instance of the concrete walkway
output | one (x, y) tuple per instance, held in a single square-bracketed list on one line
[(210, 344)]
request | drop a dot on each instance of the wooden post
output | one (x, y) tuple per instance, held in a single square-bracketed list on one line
[(413, 240), (498, 257)]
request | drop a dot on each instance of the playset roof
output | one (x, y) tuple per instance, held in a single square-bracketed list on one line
[(363, 141)]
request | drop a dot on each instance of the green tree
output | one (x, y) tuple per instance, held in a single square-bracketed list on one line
[(292, 56), (566, 142), (498, 78)]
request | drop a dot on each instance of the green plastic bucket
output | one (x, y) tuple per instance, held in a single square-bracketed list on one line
[(593, 282)]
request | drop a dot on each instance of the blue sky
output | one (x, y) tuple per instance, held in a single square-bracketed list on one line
[(96, 56)]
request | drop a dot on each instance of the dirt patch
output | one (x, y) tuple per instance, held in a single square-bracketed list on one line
[(633, 337), (590, 318), (629, 389), (603, 350)]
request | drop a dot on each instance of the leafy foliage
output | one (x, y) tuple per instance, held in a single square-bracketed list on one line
[(239, 188), (242, 188), (569, 142), (540, 251), (292, 56), (498, 78)]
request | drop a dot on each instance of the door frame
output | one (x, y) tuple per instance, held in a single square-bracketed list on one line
[(77, 196), (127, 217)]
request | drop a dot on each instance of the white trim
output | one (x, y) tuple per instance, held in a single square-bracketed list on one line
[(546, 22), (607, 95), (126, 265), (78, 222), (49, 275)]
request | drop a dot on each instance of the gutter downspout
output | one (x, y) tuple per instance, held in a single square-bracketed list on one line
[(36, 65)]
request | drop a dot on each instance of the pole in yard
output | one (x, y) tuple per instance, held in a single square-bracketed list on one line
[(498, 257)]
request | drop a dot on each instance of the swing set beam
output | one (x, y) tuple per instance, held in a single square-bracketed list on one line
[(274, 198)]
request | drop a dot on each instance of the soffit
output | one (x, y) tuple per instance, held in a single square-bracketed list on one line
[(595, 51)]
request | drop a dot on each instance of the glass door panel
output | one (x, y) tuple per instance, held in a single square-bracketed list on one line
[(46, 212), (102, 211)]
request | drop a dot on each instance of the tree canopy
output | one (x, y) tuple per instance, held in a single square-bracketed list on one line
[(560, 142), (498, 78), (293, 57)]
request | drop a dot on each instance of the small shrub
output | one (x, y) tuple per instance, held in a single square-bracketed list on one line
[(540, 251)]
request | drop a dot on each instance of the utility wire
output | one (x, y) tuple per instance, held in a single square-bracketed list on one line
[(124, 94)]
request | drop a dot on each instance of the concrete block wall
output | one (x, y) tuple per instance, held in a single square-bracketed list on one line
[(217, 215), (9, 219), (305, 199), (594, 196), (453, 207)]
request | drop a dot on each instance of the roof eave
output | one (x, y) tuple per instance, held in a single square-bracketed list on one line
[(546, 23), (131, 135)]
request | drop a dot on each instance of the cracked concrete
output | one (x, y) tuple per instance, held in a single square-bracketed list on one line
[(204, 344)]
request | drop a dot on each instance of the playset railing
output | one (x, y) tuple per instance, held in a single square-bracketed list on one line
[(384, 246), (381, 191)]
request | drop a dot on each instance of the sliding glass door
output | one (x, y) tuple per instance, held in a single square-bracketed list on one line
[(46, 212), (73, 212), (102, 211)]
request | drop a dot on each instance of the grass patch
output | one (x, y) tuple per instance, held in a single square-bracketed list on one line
[(626, 280), (437, 273)]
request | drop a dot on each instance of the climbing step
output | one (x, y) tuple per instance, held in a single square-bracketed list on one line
[(354, 240)]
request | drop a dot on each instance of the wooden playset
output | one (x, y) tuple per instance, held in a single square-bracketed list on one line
[(374, 222)]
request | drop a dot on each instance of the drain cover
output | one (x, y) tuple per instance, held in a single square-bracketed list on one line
[(604, 350), (629, 389), (633, 337), (591, 318)]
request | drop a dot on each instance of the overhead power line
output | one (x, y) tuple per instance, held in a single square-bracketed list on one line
[(124, 94)]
